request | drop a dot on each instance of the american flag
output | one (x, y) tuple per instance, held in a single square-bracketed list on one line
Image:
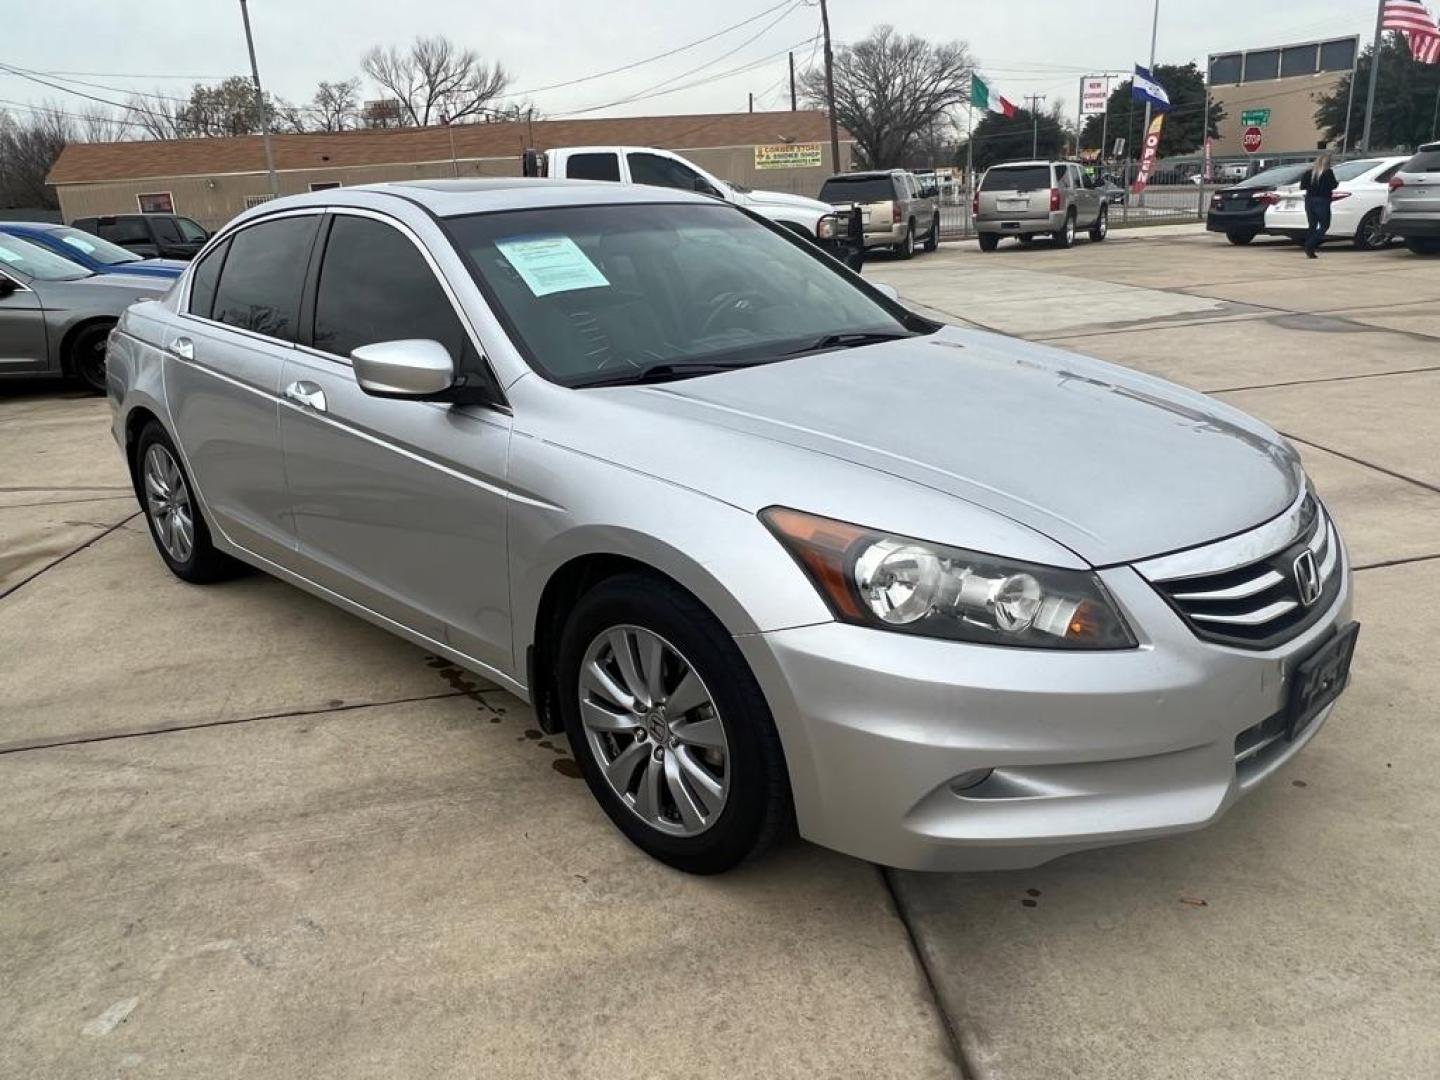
[(1414, 20)]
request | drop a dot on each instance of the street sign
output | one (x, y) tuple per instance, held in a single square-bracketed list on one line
[(1255, 117), (1119, 150), (1251, 140), (1094, 93)]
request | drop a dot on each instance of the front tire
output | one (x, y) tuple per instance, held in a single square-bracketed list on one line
[(86, 357), (906, 248), (1239, 239), (1101, 228), (171, 510), (1423, 245), (669, 726), (932, 238)]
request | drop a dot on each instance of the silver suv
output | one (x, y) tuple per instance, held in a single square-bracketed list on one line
[(1412, 212), (899, 209), (1026, 199)]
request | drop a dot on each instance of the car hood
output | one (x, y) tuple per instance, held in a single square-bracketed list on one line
[(780, 199), (154, 267), (147, 284), (1113, 464)]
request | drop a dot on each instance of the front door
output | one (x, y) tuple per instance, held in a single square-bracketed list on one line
[(399, 504), (22, 329), (222, 376)]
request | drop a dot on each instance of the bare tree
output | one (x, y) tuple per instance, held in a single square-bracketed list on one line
[(95, 123), (336, 106), (435, 80), (28, 148), (156, 116), (890, 90)]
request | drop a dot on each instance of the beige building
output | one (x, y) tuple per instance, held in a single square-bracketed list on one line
[(211, 180), (1280, 88)]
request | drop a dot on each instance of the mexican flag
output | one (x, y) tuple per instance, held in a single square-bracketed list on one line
[(983, 97)]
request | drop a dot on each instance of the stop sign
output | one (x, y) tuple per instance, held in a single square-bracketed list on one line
[(1251, 139)]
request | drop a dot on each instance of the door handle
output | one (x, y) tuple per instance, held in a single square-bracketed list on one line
[(306, 394), (182, 348)]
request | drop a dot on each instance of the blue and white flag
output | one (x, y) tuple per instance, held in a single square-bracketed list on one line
[(1145, 89)]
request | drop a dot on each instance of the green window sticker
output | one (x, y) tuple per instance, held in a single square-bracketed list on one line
[(551, 264)]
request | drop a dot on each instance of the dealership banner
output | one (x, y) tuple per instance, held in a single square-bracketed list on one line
[(789, 156), (1094, 94), (1148, 154)]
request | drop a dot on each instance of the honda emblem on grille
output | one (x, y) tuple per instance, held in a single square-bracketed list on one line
[(1307, 578)]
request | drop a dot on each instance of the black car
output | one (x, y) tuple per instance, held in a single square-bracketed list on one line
[(1239, 211), (162, 236)]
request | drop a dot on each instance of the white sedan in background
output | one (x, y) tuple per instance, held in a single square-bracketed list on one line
[(1355, 207)]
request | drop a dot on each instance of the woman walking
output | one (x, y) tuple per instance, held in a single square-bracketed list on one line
[(1318, 184)]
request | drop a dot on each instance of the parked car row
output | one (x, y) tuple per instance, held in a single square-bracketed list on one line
[(1378, 199)]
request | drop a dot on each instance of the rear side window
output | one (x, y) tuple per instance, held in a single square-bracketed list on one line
[(1016, 178), (260, 284), (376, 286), (864, 189), (1426, 161), (593, 167), (125, 231), (204, 280), (166, 230)]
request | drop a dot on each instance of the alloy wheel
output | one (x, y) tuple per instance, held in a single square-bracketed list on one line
[(89, 361), (167, 500), (654, 730), (1372, 232)]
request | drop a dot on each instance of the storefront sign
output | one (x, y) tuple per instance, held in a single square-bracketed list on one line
[(1094, 93), (789, 156)]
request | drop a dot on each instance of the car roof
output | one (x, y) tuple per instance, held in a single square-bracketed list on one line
[(867, 172), (450, 198), (32, 226)]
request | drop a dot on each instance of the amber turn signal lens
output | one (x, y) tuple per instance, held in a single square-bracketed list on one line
[(821, 546)]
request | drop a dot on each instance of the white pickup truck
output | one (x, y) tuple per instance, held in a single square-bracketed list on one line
[(810, 218)]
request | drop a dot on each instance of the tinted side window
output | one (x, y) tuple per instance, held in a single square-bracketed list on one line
[(206, 277), (166, 230), (125, 231), (375, 286), (593, 167), (260, 286), (660, 171), (1426, 161)]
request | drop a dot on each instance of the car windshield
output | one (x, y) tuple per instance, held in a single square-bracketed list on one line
[(36, 263), (1281, 174), (863, 189), (1016, 178), (191, 230), (102, 251), (639, 291)]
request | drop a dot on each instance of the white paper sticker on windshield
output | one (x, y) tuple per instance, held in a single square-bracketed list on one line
[(76, 242), (551, 264), (10, 256)]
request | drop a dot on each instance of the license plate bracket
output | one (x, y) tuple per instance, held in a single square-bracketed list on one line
[(1319, 679)]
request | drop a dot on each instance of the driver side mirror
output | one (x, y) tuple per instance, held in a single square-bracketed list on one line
[(704, 187), (409, 368)]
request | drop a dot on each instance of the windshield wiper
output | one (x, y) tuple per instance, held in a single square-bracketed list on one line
[(664, 372), (851, 340)]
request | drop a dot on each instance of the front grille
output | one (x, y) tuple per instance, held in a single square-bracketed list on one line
[(1258, 605)]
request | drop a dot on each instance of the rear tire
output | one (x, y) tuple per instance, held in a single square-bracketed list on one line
[(989, 241), (743, 793), (1025, 240), (173, 513), (1423, 245), (1066, 236), (1370, 234), (932, 238), (1101, 228), (906, 248), (1239, 239), (86, 356)]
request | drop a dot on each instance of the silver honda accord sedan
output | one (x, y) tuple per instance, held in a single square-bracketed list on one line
[(773, 551)]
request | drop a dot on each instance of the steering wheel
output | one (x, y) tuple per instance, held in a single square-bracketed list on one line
[(733, 300)]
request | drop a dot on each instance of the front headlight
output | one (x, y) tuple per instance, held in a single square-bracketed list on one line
[(890, 582)]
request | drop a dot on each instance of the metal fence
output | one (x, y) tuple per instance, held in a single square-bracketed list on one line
[(1159, 204)]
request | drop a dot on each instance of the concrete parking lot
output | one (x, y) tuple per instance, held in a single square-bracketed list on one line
[(243, 834)]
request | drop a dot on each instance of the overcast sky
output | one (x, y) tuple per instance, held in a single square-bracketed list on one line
[(1025, 46)]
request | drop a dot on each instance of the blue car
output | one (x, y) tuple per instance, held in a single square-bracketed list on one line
[(90, 251)]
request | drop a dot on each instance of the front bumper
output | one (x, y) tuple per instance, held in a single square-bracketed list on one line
[(1086, 749), (1406, 226)]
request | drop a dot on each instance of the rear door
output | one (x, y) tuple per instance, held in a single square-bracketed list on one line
[(129, 232), (22, 328), (399, 505), (593, 165), (1015, 192), (222, 377)]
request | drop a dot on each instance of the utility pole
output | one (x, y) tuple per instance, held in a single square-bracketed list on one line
[(830, 88), (752, 102), (260, 103), (792, 82), (1374, 74), (1035, 100), (1145, 130)]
